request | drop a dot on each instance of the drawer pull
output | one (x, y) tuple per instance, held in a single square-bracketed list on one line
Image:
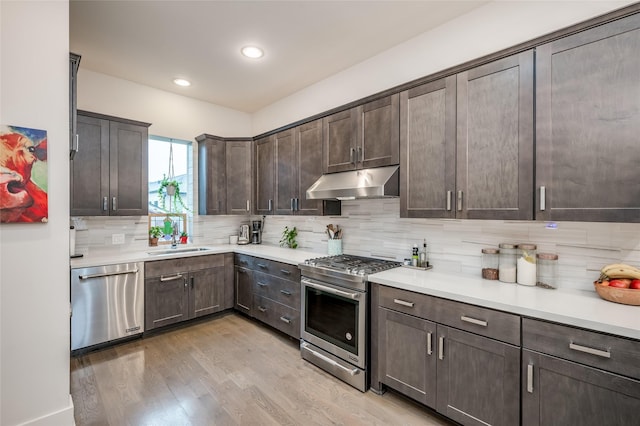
[(261, 284), (262, 309), (474, 321), (403, 303), (441, 348), (285, 319), (588, 350), (284, 271), (285, 292), (170, 278), (530, 378), (262, 265), (429, 348)]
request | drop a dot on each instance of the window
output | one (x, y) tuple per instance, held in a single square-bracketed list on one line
[(161, 149)]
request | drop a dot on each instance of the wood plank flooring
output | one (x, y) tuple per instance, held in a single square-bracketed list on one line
[(228, 370)]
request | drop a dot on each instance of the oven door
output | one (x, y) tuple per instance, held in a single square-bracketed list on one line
[(334, 319)]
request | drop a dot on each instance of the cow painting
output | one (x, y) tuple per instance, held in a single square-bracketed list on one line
[(23, 175)]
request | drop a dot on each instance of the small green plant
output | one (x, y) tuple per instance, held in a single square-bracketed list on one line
[(155, 232), (183, 234), (174, 192), (289, 237)]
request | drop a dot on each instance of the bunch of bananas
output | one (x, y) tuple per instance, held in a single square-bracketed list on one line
[(619, 270)]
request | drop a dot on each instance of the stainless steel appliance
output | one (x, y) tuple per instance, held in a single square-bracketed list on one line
[(256, 232), (335, 315), (244, 235), (379, 182), (107, 303)]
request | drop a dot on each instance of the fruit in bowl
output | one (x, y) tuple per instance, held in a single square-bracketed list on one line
[(619, 283)]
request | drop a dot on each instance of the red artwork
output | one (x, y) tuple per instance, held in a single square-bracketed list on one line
[(23, 175)]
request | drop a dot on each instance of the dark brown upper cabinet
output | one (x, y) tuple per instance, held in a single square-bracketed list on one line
[(364, 136), (466, 143), (587, 125), (265, 175), (109, 168)]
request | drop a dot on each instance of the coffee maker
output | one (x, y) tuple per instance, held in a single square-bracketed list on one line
[(256, 232)]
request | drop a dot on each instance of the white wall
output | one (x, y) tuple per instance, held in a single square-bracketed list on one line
[(170, 115), (34, 261), (485, 30)]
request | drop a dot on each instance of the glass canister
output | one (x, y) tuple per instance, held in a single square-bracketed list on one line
[(547, 265), (507, 263), (526, 264), (490, 261)]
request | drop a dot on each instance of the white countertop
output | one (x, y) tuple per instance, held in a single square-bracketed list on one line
[(573, 307)]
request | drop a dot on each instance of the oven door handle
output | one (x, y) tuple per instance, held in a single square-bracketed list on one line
[(335, 291), (351, 372)]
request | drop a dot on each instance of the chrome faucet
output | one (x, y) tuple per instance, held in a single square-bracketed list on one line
[(174, 234)]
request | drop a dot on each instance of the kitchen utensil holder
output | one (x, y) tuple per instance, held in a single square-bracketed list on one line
[(334, 247)]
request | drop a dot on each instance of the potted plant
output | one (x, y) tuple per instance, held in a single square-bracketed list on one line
[(170, 187), (183, 238), (289, 237), (155, 232)]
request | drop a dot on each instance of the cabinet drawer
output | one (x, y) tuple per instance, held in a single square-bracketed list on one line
[(611, 353), (243, 260), (278, 269), (483, 321), (417, 304), (277, 315), (278, 289), (158, 268)]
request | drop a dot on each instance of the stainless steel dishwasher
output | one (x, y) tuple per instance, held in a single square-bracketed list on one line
[(107, 303)]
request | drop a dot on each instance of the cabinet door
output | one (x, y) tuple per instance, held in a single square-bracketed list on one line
[(478, 379), (286, 172), (587, 125), (340, 132), (428, 149), (495, 140), (165, 300), (90, 169), (74, 65), (239, 155), (128, 177), (380, 139), (212, 182), (407, 358), (206, 291), (229, 292), (244, 289), (310, 165), (265, 175), (559, 392)]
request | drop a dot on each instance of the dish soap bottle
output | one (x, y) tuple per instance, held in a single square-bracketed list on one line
[(414, 256), (423, 261)]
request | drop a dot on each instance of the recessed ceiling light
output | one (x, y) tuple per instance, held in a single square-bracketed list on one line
[(252, 52), (182, 82)]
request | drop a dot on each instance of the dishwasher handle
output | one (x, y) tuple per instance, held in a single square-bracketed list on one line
[(107, 274)]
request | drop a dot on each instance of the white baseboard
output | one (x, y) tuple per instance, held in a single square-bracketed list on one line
[(62, 417)]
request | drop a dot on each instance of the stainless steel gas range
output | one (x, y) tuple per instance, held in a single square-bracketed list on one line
[(335, 315)]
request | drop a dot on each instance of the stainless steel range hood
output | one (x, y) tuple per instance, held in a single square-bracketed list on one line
[(367, 183)]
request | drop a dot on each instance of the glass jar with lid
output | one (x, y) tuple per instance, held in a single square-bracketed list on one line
[(547, 265), (507, 263), (526, 264), (490, 261)]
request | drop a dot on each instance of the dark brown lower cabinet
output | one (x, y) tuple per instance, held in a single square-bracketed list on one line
[(166, 300), (478, 379), (560, 392), (244, 289)]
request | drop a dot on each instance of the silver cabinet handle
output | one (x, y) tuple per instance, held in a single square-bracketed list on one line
[(262, 309), (441, 347), (284, 271), (543, 198), (429, 348), (449, 193), (170, 278), (530, 378), (261, 265), (185, 284), (261, 284), (285, 319), (403, 303), (248, 206), (270, 205), (359, 154), (331, 290), (474, 321), (109, 274), (351, 155), (292, 204), (285, 292), (76, 146), (114, 205), (588, 350), (459, 200), (105, 204), (242, 270), (297, 204), (351, 372)]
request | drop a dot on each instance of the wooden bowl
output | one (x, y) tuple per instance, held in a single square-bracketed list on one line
[(625, 296)]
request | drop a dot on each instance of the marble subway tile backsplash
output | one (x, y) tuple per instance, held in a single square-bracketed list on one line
[(374, 228)]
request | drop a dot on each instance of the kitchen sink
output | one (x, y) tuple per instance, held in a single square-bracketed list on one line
[(178, 251)]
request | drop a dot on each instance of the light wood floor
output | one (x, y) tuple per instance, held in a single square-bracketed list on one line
[(226, 371)]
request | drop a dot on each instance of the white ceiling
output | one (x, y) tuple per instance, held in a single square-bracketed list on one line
[(153, 42)]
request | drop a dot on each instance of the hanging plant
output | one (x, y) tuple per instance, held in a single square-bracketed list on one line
[(170, 188)]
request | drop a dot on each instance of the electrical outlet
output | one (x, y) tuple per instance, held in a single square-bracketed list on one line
[(117, 238)]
